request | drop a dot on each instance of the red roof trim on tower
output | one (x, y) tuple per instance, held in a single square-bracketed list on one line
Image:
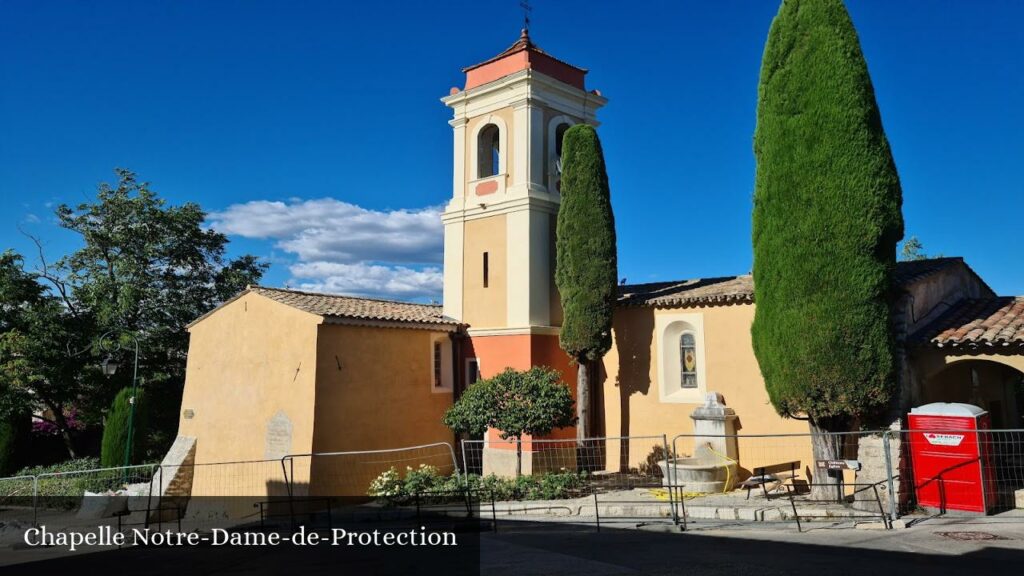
[(523, 55)]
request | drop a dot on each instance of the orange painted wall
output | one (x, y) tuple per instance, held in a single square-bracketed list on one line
[(374, 391), (521, 352)]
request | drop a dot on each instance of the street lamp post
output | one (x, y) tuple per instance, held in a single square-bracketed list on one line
[(109, 367)]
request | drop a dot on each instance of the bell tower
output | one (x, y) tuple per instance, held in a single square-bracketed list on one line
[(499, 227)]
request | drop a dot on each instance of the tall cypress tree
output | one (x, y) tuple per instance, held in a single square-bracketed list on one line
[(586, 268), (827, 218), (113, 447)]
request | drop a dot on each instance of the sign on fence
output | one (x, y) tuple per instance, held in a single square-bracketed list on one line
[(838, 465)]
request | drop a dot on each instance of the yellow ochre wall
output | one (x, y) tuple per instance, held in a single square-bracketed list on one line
[(374, 391), (485, 307), (249, 361), (630, 386)]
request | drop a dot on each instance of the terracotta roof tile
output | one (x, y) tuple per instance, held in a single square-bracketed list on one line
[(740, 289), (720, 291), (331, 305), (523, 43), (911, 271), (699, 292), (977, 322)]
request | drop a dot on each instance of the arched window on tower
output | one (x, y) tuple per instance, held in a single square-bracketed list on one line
[(488, 152), (687, 360), (559, 136)]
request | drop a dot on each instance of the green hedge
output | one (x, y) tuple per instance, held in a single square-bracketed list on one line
[(65, 490), (394, 488)]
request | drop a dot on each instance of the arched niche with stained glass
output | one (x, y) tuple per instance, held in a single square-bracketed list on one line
[(687, 360)]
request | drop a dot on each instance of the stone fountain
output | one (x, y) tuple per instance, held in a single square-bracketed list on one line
[(712, 468)]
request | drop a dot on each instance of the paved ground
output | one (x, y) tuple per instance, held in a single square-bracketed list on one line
[(528, 548), (931, 547)]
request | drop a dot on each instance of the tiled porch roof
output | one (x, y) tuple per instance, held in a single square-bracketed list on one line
[(977, 323)]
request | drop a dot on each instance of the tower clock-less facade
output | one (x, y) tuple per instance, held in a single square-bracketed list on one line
[(499, 227)]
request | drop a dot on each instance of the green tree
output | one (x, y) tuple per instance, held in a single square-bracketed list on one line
[(827, 217), (533, 402), (913, 250), (41, 369), (147, 269), (144, 270), (586, 269), (117, 427), (15, 441)]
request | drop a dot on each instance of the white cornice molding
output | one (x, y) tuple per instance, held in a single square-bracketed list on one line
[(515, 331), (504, 207), (522, 85)]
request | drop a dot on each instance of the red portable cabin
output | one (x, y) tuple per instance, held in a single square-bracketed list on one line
[(952, 461)]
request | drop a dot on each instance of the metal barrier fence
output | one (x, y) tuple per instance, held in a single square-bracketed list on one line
[(768, 477), (17, 499), (946, 470), (350, 473), (213, 494), (735, 478), (24, 498), (620, 475), (56, 485)]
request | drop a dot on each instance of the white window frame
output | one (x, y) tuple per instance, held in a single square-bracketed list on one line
[(669, 328), (446, 386)]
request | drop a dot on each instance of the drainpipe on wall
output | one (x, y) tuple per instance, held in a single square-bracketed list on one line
[(458, 378)]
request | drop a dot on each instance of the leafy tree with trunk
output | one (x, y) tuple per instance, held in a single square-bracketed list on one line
[(147, 269), (586, 268), (41, 369), (827, 218), (144, 269), (516, 403)]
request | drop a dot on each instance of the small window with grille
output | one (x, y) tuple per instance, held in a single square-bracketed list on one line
[(438, 356)]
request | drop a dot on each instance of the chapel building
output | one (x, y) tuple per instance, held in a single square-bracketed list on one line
[(274, 372)]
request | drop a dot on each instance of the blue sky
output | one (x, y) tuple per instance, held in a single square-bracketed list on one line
[(313, 133)]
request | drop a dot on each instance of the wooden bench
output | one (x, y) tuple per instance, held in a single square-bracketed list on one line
[(776, 474)]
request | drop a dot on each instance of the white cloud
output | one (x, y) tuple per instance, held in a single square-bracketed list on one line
[(346, 249), (369, 280), (336, 231)]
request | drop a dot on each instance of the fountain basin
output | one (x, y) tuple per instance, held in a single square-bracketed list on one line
[(701, 475)]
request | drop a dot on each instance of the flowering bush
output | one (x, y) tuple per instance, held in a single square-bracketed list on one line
[(392, 488), (387, 486), (47, 428)]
